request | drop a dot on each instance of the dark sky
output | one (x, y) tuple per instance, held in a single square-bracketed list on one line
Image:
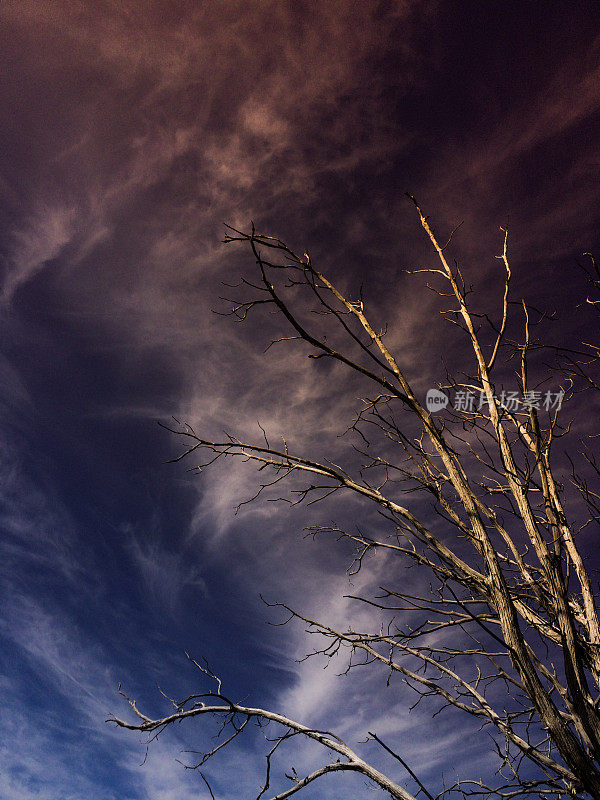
[(129, 132)]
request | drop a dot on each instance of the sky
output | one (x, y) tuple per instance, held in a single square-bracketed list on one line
[(129, 133)]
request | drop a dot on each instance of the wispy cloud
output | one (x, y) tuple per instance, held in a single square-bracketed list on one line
[(55, 749), (165, 575), (48, 231)]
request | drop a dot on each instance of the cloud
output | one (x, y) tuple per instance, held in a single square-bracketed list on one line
[(166, 576), (500, 172), (38, 531), (59, 740), (240, 125), (48, 231)]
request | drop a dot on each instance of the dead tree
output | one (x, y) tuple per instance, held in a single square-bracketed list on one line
[(507, 571)]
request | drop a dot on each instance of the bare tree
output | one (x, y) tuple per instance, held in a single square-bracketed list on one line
[(508, 578)]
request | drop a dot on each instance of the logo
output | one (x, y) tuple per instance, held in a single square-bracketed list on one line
[(435, 400)]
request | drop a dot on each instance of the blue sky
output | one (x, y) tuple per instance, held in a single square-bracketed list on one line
[(129, 132)]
